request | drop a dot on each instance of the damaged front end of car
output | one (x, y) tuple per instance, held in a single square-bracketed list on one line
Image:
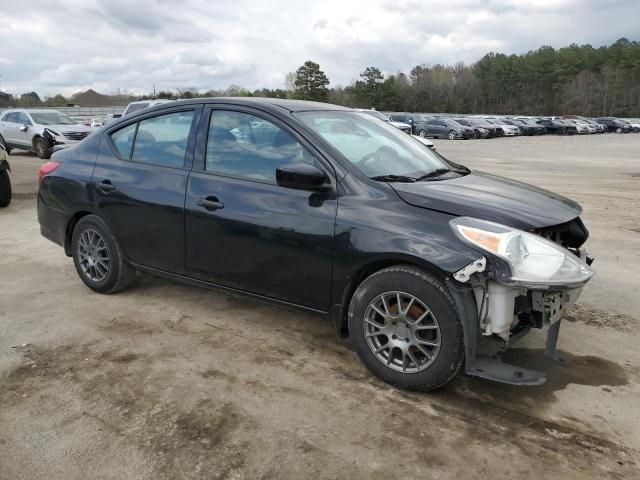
[(521, 280)]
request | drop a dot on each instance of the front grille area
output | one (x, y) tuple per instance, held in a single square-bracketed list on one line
[(571, 234), (75, 135)]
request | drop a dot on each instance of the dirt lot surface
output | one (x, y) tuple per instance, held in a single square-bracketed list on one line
[(171, 381)]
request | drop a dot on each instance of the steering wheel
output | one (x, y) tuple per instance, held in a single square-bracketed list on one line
[(381, 153)]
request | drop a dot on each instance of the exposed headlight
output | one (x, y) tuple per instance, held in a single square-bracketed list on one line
[(53, 132), (533, 260)]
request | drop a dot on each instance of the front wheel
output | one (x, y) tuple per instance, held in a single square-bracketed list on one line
[(98, 258), (4, 144), (405, 328), (422, 133), (5, 188), (42, 148), (618, 130), (452, 135)]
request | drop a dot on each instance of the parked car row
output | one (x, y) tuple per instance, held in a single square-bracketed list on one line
[(481, 126)]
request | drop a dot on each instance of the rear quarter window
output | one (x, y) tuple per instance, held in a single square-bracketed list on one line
[(123, 140)]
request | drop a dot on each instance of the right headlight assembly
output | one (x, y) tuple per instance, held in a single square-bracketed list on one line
[(533, 260)]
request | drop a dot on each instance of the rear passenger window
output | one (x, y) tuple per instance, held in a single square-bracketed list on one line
[(244, 145), (163, 140), (123, 140)]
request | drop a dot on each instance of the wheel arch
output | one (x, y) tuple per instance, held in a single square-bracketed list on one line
[(368, 269), (71, 225)]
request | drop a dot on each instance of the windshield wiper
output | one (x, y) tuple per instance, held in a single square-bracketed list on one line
[(434, 173), (394, 178)]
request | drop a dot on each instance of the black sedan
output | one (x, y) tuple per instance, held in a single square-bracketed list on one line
[(615, 125), (494, 130), (553, 126), (448, 128), (531, 126), (479, 132), (320, 207)]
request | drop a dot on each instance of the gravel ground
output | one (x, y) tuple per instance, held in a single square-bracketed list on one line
[(171, 381)]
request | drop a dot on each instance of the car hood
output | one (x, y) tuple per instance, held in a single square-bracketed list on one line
[(493, 198), (69, 128)]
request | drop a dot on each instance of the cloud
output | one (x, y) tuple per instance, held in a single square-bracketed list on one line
[(119, 44)]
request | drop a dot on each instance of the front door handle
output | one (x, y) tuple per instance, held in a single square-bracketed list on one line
[(105, 186), (210, 203)]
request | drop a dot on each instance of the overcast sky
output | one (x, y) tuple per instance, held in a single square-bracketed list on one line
[(70, 45)]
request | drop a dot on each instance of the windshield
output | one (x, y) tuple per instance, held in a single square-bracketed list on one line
[(52, 118), (374, 147), (376, 114)]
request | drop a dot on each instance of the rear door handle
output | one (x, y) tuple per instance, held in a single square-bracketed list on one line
[(210, 203), (105, 186)]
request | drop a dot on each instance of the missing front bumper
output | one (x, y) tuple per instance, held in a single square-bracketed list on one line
[(513, 313)]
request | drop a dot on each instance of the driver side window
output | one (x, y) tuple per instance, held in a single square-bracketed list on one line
[(23, 119), (244, 145)]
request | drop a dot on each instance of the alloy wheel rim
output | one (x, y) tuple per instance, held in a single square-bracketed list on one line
[(93, 255), (402, 332), (422, 133), (39, 148), (452, 136)]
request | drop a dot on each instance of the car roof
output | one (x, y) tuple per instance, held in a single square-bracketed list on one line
[(30, 110), (286, 104)]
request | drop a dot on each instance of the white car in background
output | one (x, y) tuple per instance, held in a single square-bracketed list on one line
[(509, 130), (405, 127), (425, 141), (39, 130), (582, 127)]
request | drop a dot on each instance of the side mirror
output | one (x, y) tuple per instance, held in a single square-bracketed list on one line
[(24, 128), (302, 176)]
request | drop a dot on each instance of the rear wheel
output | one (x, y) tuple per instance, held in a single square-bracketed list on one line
[(452, 135), (5, 188), (405, 328), (422, 133), (42, 148), (98, 258)]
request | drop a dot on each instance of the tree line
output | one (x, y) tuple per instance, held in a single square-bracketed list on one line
[(578, 79)]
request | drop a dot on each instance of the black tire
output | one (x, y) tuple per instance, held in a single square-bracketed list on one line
[(422, 133), (4, 144), (42, 148), (5, 188), (434, 295), (452, 135), (118, 273)]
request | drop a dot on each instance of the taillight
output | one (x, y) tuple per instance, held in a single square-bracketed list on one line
[(46, 169)]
